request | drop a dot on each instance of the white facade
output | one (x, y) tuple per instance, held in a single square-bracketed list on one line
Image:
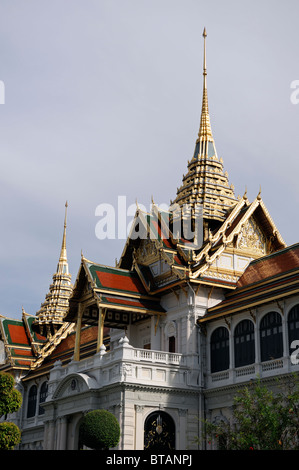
[(132, 382)]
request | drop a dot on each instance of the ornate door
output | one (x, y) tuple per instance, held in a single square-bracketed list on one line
[(159, 432)]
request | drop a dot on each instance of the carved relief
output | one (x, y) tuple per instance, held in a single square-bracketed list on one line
[(147, 252), (251, 237), (170, 329)]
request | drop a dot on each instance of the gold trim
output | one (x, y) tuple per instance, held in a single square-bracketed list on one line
[(254, 294)]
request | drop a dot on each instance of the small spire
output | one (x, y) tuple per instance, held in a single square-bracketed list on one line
[(62, 263), (66, 206), (51, 315), (204, 58)]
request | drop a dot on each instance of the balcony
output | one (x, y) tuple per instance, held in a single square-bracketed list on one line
[(129, 365)]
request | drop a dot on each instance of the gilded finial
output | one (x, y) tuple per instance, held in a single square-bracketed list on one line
[(66, 206), (259, 194), (63, 256), (205, 131), (204, 55)]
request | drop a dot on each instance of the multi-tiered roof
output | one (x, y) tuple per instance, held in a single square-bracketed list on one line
[(206, 183), (50, 316)]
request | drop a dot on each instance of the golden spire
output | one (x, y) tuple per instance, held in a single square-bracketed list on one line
[(53, 310), (206, 182), (63, 256), (205, 131)]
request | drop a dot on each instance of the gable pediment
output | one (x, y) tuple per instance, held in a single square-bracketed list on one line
[(73, 384), (247, 234), (251, 239)]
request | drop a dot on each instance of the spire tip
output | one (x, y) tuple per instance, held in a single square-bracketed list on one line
[(66, 206)]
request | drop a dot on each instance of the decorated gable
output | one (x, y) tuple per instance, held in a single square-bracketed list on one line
[(251, 239)]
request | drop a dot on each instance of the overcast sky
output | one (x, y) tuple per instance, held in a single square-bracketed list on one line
[(103, 99)]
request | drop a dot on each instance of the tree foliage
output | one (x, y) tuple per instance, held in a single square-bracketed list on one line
[(10, 398), (99, 430), (10, 435), (261, 420), (10, 401)]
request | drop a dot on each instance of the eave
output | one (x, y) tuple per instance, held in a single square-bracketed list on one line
[(253, 296)]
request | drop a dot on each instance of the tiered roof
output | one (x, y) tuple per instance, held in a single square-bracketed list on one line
[(51, 315), (162, 259), (119, 292), (234, 230), (61, 348), (206, 183), (21, 343)]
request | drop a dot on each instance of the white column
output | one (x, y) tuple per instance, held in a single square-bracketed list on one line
[(257, 346), (50, 435), (182, 431), (78, 333), (284, 324), (139, 428), (62, 433)]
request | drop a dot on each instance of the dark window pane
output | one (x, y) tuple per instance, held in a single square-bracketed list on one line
[(219, 350), (271, 337), (32, 399), (244, 343), (293, 326)]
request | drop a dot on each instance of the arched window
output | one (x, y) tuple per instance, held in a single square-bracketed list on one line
[(293, 325), (159, 432), (219, 349), (244, 343), (32, 399), (271, 337), (42, 397)]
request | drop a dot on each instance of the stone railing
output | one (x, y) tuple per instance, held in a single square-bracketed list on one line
[(241, 374), (158, 356)]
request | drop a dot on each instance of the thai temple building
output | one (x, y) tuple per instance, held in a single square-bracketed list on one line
[(167, 337)]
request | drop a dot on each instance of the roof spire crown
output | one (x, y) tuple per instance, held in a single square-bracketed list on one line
[(51, 315), (205, 131), (63, 255), (206, 182)]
